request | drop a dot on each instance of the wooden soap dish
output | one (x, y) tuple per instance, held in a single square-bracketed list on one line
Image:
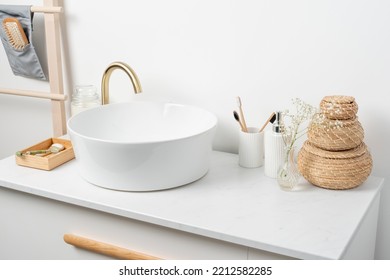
[(50, 161)]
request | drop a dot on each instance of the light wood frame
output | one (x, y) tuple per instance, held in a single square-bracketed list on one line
[(51, 12)]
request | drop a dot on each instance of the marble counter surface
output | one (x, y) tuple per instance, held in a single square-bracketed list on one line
[(230, 203)]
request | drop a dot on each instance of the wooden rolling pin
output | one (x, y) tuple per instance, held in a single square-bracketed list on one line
[(105, 249)]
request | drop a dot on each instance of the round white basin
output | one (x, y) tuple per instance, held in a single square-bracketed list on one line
[(142, 146)]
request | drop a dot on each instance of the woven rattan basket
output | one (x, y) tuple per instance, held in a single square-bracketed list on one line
[(339, 107), (336, 135), (339, 170)]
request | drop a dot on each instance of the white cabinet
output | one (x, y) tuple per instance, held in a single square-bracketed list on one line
[(231, 213), (33, 228)]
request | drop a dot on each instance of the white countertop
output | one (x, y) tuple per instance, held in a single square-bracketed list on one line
[(230, 203)]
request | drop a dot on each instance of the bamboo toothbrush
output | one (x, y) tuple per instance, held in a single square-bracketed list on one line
[(53, 149), (237, 117), (15, 33), (271, 119), (242, 118)]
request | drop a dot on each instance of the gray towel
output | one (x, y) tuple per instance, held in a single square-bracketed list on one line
[(24, 62)]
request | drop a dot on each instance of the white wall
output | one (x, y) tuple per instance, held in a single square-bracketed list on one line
[(206, 52)]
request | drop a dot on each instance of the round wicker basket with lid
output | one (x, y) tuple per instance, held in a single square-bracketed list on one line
[(335, 156), (339, 107), (336, 135), (333, 169)]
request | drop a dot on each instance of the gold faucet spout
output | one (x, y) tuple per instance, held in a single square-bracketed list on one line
[(106, 79)]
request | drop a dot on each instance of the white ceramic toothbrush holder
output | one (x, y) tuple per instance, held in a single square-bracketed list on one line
[(251, 148)]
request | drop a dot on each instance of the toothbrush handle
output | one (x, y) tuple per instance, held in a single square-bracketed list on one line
[(242, 119), (34, 152)]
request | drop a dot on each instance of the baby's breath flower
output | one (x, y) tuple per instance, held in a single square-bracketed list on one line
[(292, 122), (320, 121)]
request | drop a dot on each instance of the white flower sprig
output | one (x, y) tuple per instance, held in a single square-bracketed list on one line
[(320, 121), (293, 123)]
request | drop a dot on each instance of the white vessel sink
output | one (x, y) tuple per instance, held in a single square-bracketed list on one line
[(142, 146)]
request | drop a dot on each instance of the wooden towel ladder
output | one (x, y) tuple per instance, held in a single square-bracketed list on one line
[(51, 12)]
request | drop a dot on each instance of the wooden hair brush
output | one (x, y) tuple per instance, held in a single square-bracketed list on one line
[(15, 33)]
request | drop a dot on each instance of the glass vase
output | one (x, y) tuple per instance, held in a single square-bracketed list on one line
[(288, 173)]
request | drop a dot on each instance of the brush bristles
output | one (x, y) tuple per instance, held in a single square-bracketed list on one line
[(15, 33)]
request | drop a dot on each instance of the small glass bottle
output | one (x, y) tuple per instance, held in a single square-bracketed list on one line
[(274, 151), (84, 97), (288, 173)]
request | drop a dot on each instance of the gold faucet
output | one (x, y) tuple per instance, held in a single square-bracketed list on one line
[(106, 79)]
